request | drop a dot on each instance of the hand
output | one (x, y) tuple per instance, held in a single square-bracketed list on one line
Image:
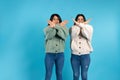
[(75, 22), (51, 24), (87, 21), (63, 23)]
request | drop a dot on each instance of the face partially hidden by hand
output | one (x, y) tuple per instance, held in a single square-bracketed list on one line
[(55, 20), (80, 19)]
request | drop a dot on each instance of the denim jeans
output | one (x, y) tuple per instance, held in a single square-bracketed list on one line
[(50, 60), (80, 63)]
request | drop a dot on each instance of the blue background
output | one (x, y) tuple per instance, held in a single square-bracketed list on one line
[(22, 49)]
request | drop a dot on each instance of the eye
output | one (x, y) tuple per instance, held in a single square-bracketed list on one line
[(78, 19), (82, 19)]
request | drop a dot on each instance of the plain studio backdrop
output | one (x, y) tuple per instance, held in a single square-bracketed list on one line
[(22, 48)]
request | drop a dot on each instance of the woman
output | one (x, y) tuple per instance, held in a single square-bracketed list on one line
[(55, 36), (81, 35)]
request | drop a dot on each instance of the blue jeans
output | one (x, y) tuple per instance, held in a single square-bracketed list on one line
[(50, 60), (80, 63)]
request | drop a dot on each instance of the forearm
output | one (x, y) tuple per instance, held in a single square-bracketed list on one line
[(62, 32), (75, 31), (49, 33), (87, 32)]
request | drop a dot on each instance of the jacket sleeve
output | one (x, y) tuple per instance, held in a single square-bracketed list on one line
[(49, 33), (87, 31), (75, 32), (62, 32)]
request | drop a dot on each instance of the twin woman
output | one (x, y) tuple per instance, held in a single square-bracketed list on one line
[(55, 35)]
